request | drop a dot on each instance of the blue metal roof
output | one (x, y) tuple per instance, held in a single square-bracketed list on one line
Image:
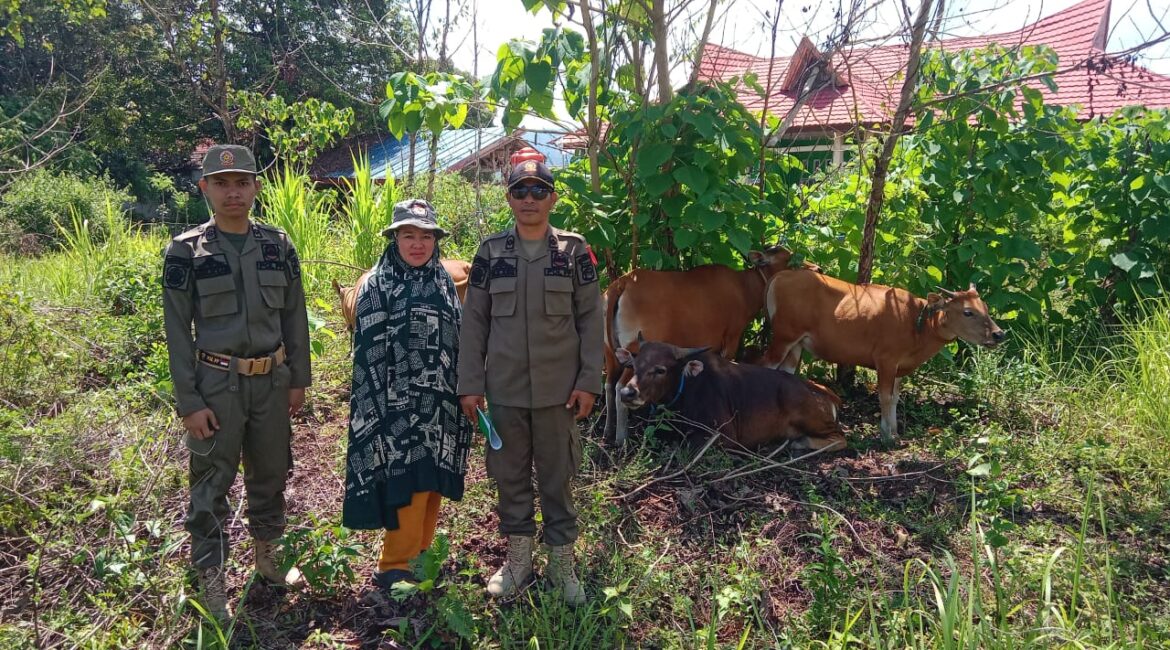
[(455, 146)]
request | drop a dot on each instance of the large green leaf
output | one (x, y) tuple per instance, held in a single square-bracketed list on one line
[(538, 75), (658, 184), (685, 238), (653, 156), (693, 177)]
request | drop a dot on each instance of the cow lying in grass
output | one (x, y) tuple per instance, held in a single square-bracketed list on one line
[(889, 330), (751, 405), (708, 305), (457, 269)]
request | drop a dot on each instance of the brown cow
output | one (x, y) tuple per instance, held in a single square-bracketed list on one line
[(752, 406), (707, 306), (886, 329), (457, 269)]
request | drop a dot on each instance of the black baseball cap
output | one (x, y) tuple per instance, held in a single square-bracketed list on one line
[(531, 169)]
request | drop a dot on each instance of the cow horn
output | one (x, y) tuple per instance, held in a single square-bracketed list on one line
[(640, 339), (687, 353), (946, 292), (971, 287)]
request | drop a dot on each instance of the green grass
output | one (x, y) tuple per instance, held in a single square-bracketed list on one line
[(1026, 506), (368, 208)]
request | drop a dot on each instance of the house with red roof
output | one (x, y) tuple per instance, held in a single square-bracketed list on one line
[(822, 98)]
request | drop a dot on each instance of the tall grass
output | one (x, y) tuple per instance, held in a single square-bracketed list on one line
[(289, 202), (1139, 393), (969, 602), (368, 209), (90, 253)]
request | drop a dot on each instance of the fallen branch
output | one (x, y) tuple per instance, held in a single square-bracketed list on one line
[(774, 465), (715, 435)]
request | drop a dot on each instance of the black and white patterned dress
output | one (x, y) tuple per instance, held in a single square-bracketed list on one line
[(407, 433)]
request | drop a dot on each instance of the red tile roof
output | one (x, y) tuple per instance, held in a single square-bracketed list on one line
[(870, 77)]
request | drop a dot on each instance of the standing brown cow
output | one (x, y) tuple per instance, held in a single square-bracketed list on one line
[(707, 306), (457, 269), (889, 330)]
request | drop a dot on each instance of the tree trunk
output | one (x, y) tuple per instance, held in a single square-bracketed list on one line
[(410, 163), (845, 373), (432, 166), (593, 124), (219, 95), (710, 22), (661, 49), (881, 166)]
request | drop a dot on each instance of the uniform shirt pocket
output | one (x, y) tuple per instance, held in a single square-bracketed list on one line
[(503, 292), (217, 296), (273, 285), (558, 296)]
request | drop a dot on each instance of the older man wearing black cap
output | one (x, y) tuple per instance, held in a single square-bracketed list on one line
[(243, 374), (531, 342)]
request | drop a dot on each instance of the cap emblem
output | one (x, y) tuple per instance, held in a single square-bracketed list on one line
[(418, 210), (227, 157), (529, 167)]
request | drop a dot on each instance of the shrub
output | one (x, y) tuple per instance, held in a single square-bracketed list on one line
[(36, 203)]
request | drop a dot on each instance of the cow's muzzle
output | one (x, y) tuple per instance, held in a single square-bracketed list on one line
[(630, 396)]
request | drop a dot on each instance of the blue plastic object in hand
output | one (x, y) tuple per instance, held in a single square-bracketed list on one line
[(489, 430)]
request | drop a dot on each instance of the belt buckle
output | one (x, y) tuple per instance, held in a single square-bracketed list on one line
[(261, 366)]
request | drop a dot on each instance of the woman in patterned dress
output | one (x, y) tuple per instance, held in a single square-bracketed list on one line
[(408, 439)]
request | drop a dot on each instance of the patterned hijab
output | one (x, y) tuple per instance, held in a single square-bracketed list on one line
[(407, 433)]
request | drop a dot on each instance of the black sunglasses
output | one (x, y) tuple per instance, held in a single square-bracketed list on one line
[(538, 192)]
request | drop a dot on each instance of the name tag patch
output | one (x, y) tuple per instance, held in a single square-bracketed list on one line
[(504, 267), (212, 266)]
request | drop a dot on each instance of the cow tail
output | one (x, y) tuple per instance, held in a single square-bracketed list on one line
[(612, 296)]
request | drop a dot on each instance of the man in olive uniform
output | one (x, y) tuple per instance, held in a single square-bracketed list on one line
[(531, 341), (243, 374)]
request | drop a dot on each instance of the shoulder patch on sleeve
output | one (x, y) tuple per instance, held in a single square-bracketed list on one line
[(586, 269), (294, 263), (479, 272), (177, 272)]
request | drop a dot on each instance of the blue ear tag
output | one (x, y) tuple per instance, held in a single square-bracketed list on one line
[(489, 430)]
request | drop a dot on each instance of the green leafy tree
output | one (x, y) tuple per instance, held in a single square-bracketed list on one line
[(1053, 217), (431, 101), (297, 132)]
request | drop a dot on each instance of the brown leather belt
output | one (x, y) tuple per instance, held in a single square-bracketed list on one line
[(249, 367)]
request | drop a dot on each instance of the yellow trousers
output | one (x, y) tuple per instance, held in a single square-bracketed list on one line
[(415, 532)]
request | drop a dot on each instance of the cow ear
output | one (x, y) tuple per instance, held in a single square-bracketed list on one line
[(757, 258), (624, 356), (934, 299), (693, 368)]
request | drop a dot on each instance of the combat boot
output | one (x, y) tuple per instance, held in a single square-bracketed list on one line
[(213, 593), (517, 570), (268, 565), (561, 574)]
